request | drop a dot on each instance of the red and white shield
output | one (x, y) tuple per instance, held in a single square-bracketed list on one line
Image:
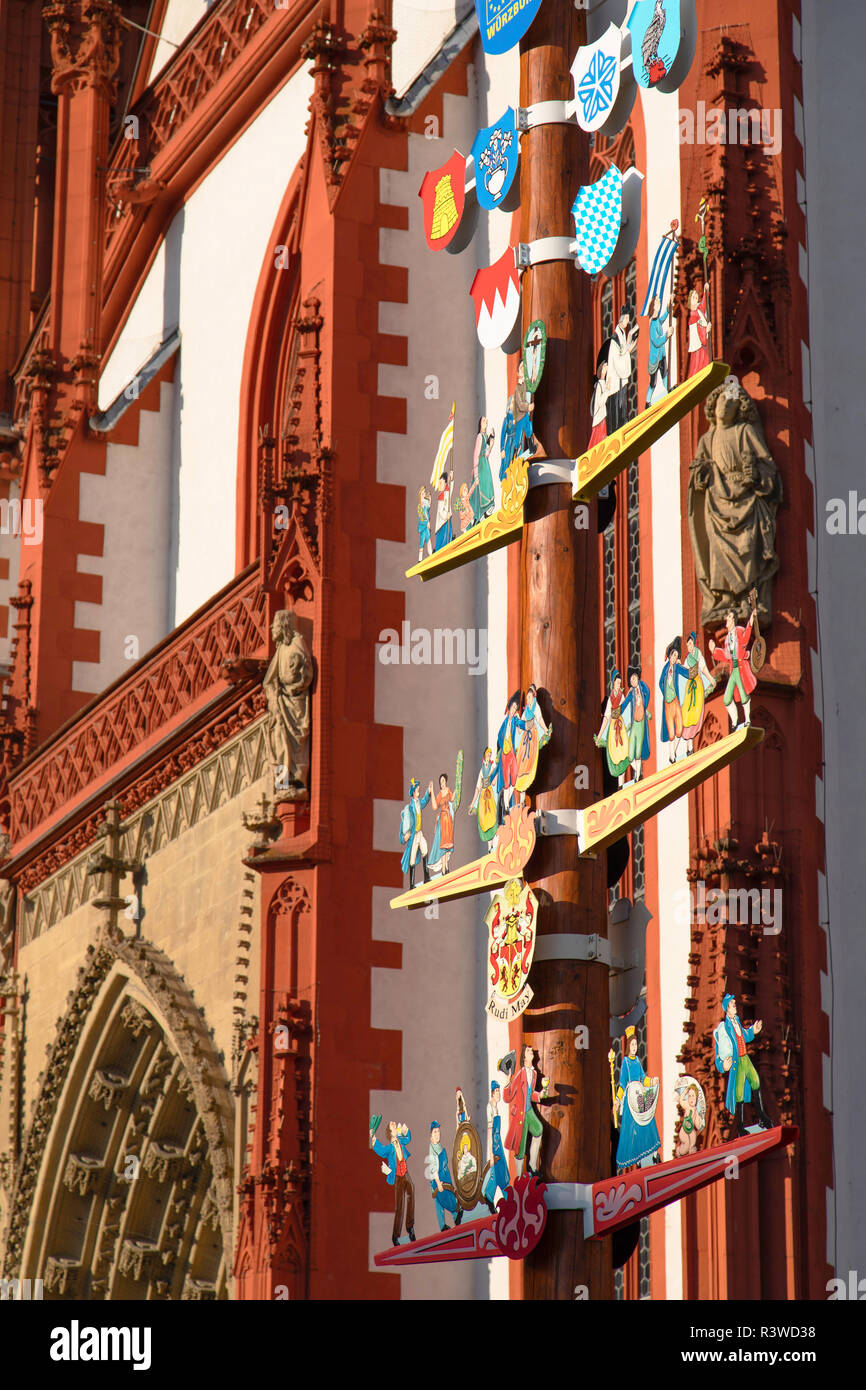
[(443, 194), (511, 920), (496, 294)]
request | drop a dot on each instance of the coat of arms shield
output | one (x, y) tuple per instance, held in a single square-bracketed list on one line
[(495, 293), (504, 22), (443, 194), (598, 74), (495, 153), (656, 31), (511, 920), (597, 212)]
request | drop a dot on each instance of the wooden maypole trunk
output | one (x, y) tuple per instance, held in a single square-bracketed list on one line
[(559, 605)]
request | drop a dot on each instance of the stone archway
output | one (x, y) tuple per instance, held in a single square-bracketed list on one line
[(124, 1188)]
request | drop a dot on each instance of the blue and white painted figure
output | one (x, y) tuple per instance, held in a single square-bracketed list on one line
[(495, 152), (411, 834), (637, 714), (439, 1176), (744, 1084), (672, 684), (661, 328), (636, 1100), (497, 1179)]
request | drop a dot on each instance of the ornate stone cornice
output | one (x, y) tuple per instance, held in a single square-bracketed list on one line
[(85, 44)]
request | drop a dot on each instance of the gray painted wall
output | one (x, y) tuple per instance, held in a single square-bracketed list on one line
[(833, 42)]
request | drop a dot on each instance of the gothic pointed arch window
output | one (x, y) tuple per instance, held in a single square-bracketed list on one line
[(124, 1190)]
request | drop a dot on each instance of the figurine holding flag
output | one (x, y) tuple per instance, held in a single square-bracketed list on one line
[(442, 481), (659, 335)]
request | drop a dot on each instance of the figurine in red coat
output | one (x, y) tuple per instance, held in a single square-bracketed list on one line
[(523, 1122), (735, 656)]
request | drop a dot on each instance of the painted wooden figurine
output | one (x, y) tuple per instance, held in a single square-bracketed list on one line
[(598, 401), (484, 802), (636, 710), (732, 1060), (411, 833), (524, 1124), (506, 744), (734, 656), (659, 337), (613, 736), (438, 1174), (444, 532), (620, 348), (424, 524), (497, 1178), (535, 736), (395, 1155), (692, 1103), (447, 802), (672, 684), (481, 496), (698, 686), (516, 438), (699, 331), (634, 1109)]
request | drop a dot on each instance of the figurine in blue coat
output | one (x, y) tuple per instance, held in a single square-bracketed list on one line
[(439, 1174), (672, 684), (744, 1084), (411, 834), (497, 1173)]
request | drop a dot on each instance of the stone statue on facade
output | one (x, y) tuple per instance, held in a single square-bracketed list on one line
[(735, 491), (287, 687)]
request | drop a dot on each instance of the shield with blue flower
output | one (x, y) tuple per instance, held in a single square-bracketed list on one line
[(495, 152), (597, 212), (596, 75), (656, 34)]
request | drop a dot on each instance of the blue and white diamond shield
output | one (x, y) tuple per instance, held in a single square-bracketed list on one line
[(597, 213), (596, 75), (495, 152)]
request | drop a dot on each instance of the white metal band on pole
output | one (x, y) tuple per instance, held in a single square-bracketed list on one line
[(571, 1196), (561, 823), (551, 471), (544, 113), (573, 946), (546, 248)]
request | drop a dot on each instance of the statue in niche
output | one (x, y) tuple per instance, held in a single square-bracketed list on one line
[(735, 491), (287, 687)]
